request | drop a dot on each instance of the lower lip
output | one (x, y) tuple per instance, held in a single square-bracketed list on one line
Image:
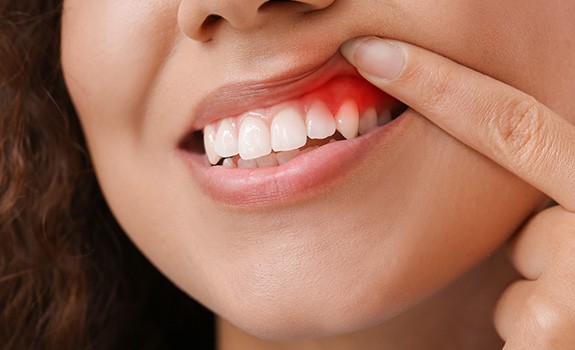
[(306, 176)]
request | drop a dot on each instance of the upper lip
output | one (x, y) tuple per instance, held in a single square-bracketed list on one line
[(234, 99)]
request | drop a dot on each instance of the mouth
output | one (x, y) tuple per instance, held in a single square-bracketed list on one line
[(289, 140)]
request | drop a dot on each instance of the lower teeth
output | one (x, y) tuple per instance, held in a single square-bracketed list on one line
[(275, 158)]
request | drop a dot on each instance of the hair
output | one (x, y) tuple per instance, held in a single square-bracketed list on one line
[(69, 277)]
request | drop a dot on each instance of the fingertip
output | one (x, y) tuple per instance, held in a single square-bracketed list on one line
[(349, 48), (379, 58)]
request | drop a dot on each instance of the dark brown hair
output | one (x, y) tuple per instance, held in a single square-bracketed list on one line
[(69, 278)]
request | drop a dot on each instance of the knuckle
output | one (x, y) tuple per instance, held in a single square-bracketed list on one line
[(545, 219), (544, 319), (517, 130), (559, 226)]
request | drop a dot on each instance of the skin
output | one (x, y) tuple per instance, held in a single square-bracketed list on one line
[(393, 234), (525, 137)]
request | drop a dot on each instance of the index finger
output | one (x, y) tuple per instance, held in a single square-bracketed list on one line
[(503, 123)]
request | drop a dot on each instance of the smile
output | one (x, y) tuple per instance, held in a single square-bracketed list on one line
[(294, 146), (272, 136)]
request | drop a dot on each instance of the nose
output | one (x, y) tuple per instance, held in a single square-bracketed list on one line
[(198, 18)]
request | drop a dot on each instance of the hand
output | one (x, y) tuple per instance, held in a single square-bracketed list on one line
[(539, 312), (523, 136)]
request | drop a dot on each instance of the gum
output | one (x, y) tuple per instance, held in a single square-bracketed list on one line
[(334, 93), (344, 88)]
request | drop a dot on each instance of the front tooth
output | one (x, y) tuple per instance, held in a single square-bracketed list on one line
[(347, 119), (209, 144), (226, 139), (319, 121), (254, 138), (247, 163), (268, 161), (384, 117), (368, 121), (288, 130), (284, 157)]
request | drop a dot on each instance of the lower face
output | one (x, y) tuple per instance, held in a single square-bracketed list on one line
[(343, 236)]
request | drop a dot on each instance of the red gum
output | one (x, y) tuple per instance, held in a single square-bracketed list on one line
[(334, 93), (344, 88)]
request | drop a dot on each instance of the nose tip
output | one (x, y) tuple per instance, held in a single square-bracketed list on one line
[(198, 18)]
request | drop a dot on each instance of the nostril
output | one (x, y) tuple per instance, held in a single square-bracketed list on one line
[(302, 5), (199, 20), (210, 20), (270, 3)]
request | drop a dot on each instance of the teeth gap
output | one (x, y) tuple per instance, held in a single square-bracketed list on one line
[(398, 110), (194, 143), (311, 144), (321, 142)]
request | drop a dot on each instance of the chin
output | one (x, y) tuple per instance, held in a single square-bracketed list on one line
[(290, 197)]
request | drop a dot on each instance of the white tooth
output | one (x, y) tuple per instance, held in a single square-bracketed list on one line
[(226, 139), (288, 130), (254, 138), (268, 161), (209, 144), (347, 119), (247, 163), (229, 163), (384, 117), (319, 121), (368, 121), (284, 157)]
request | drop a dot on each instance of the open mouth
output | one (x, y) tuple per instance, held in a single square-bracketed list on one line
[(344, 108), (267, 143)]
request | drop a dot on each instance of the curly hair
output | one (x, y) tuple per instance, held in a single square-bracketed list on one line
[(69, 277)]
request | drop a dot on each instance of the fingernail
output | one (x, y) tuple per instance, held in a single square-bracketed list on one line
[(374, 56)]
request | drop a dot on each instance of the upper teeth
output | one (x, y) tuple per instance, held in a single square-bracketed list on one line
[(254, 135), (227, 139), (288, 130), (347, 119), (320, 122), (254, 138)]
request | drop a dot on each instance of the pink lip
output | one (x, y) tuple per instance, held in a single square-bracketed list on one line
[(232, 100), (306, 175), (303, 177)]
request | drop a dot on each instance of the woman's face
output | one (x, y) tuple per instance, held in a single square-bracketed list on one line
[(345, 235)]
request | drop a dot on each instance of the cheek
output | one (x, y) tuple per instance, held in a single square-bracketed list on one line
[(111, 54), (526, 44), (386, 239), (383, 240)]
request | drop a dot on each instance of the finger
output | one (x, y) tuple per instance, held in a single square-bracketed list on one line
[(506, 315), (497, 120), (537, 314), (524, 315), (544, 238)]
